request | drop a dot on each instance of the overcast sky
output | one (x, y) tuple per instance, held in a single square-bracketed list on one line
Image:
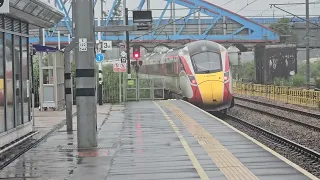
[(250, 7)]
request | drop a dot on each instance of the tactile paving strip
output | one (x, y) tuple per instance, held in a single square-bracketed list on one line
[(228, 164)]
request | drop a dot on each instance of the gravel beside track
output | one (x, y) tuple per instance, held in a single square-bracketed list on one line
[(298, 158), (294, 116), (278, 103), (297, 133)]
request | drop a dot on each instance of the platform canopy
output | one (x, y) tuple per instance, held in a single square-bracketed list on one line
[(35, 12)]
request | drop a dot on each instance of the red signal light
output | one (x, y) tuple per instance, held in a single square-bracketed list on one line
[(136, 55), (136, 52)]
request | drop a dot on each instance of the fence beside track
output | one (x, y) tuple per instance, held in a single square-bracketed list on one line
[(302, 97)]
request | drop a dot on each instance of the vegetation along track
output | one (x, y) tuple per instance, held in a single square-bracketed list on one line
[(311, 126), (303, 156)]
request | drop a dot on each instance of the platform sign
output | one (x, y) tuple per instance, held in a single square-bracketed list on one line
[(130, 82), (123, 54), (99, 57), (83, 46), (119, 67), (123, 60), (106, 45)]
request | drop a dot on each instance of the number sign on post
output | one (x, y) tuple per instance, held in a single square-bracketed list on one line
[(106, 45)]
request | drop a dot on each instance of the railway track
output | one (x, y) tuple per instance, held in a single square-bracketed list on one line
[(301, 123), (279, 140), (309, 114)]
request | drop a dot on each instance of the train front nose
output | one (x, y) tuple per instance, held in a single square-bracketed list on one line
[(211, 89)]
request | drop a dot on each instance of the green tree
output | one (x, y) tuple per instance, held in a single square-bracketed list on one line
[(282, 26), (247, 71)]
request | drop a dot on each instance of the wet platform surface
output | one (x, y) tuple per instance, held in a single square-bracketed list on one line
[(154, 140)]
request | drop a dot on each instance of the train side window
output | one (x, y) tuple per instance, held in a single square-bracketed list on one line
[(170, 68)]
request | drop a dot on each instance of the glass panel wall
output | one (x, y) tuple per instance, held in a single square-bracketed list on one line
[(17, 85), (25, 77), (14, 77), (2, 102), (9, 82)]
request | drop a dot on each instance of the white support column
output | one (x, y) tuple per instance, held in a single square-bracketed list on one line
[(69, 39), (59, 41)]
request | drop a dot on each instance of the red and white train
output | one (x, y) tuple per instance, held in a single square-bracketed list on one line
[(198, 72)]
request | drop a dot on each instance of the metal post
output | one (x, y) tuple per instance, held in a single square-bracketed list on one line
[(199, 21), (55, 80), (101, 11), (68, 86), (239, 65), (137, 86), (307, 46), (127, 42), (125, 22), (148, 4), (41, 36), (120, 87), (59, 40), (224, 25), (171, 12), (174, 16), (85, 74), (99, 33), (100, 84), (99, 91), (33, 88)]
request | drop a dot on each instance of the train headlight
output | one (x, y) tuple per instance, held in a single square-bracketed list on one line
[(226, 76), (193, 80)]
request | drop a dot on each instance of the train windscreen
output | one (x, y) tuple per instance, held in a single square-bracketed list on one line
[(206, 62)]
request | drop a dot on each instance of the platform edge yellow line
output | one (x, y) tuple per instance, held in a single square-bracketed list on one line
[(185, 145), (300, 169)]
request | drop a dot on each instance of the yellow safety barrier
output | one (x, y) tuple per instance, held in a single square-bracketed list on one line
[(309, 98)]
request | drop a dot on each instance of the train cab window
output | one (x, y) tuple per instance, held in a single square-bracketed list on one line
[(207, 62)]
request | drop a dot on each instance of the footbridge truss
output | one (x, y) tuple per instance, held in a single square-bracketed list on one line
[(222, 26)]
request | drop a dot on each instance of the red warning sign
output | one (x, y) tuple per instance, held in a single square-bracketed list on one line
[(119, 67)]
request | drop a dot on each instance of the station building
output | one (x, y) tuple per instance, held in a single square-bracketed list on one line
[(15, 65)]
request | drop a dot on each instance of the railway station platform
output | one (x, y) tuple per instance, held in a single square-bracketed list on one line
[(150, 140)]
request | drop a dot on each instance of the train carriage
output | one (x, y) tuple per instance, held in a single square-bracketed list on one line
[(198, 72)]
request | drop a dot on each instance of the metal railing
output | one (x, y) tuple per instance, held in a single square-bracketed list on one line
[(302, 97), (145, 89)]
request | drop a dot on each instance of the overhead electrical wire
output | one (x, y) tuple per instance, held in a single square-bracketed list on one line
[(248, 4), (227, 2), (294, 15)]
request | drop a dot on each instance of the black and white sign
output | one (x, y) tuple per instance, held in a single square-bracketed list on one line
[(83, 46), (123, 54), (123, 60), (106, 45)]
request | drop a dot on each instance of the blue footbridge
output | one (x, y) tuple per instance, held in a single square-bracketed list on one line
[(215, 23)]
